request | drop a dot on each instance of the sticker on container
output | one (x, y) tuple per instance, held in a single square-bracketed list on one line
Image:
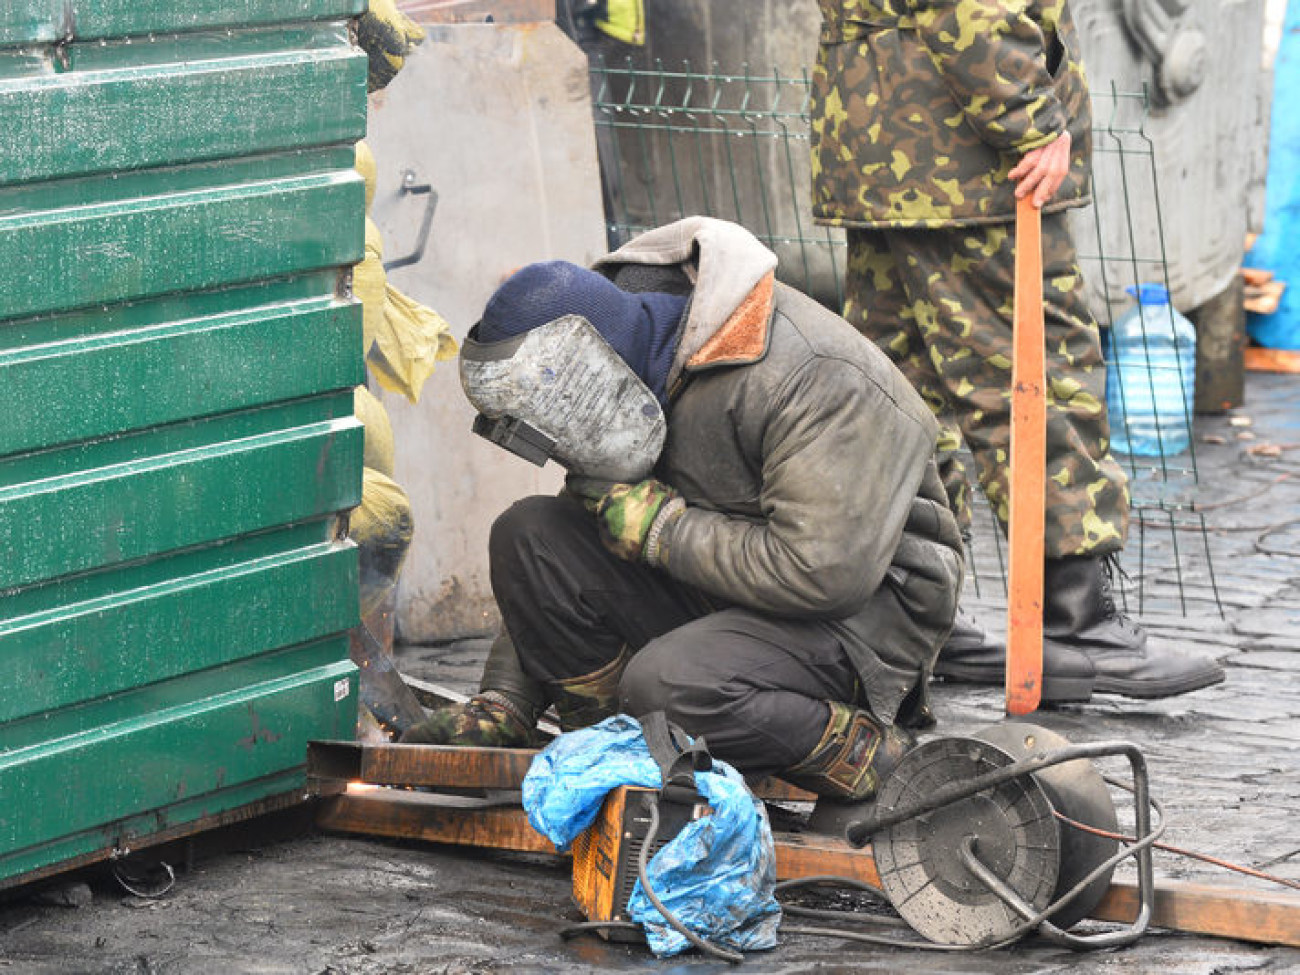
[(342, 688)]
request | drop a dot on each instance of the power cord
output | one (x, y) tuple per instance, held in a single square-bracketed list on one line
[(643, 859), (642, 864)]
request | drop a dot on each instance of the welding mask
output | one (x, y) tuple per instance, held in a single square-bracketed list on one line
[(560, 391)]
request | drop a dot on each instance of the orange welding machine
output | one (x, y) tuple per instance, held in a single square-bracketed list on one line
[(634, 823)]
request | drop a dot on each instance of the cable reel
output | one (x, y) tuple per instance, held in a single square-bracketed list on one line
[(973, 845)]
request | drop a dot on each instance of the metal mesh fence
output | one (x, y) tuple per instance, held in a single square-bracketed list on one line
[(675, 142)]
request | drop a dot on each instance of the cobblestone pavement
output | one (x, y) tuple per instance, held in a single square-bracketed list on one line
[(1224, 761)]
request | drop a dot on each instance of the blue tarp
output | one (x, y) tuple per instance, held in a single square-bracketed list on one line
[(1276, 249), (717, 875)]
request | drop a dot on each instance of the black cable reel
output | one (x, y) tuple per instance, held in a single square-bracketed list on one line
[(978, 841)]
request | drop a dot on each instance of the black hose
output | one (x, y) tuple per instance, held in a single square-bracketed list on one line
[(643, 859)]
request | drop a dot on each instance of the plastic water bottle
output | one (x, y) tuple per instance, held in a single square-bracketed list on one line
[(1150, 376)]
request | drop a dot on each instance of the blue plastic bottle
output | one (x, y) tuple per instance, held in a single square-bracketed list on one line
[(1150, 376)]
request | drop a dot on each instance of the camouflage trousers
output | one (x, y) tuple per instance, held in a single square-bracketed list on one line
[(939, 303)]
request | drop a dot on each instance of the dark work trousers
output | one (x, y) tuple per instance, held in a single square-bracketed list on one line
[(754, 685)]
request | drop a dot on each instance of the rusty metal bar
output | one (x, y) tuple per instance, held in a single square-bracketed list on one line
[(458, 820), (432, 766)]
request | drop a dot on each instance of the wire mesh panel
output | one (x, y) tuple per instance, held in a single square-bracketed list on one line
[(680, 142), (675, 142)]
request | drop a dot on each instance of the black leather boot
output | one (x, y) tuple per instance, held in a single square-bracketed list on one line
[(970, 656), (1080, 615)]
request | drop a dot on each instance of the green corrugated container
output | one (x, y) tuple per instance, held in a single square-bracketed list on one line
[(178, 346)]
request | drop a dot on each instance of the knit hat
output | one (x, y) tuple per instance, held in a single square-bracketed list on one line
[(642, 328)]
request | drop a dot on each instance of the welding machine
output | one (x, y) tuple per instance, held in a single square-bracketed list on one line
[(633, 825)]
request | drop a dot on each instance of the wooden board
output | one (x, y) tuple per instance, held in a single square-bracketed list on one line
[(1028, 471)]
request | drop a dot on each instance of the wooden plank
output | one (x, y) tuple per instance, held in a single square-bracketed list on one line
[(1028, 466), (802, 855), (1272, 360), (1260, 916)]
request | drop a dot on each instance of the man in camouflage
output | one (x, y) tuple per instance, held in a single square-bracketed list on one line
[(930, 119)]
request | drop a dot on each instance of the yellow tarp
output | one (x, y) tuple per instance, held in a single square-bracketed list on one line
[(410, 339), (379, 449)]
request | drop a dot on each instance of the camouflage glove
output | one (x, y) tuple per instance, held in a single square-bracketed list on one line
[(387, 36), (631, 515)]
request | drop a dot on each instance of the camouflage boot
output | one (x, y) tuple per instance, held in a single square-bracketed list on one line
[(855, 754), (586, 700), (489, 719)]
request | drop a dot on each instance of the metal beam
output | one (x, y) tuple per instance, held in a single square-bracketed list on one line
[(435, 766)]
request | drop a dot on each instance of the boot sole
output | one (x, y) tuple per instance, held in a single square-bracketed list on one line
[(1056, 690), (1151, 690)]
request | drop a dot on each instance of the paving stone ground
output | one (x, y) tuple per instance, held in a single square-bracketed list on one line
[(1225, 762)]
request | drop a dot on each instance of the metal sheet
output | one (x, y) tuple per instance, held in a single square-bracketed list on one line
[(106, 250), (194, 754), (101, 361), (139, 634), (136, 509), (178, 348), (28, 21), (162, 102)]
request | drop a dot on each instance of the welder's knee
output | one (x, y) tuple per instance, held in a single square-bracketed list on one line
[(642, 690), (667, 675), (529, 526)]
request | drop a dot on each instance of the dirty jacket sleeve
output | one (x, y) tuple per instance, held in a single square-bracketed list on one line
[(992, 55), (840, 465)]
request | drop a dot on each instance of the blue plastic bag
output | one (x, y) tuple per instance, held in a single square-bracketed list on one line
[(717, 875)]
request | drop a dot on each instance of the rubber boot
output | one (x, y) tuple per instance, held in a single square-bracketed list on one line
[(970, 656), (503, 714), (591, 698), (1080, 615), (855, 754)]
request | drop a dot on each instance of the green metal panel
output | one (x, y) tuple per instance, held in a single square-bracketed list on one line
[(252, 722), (93, 518), (35, 21), (257, 92), (234, 355), (82, 651), (178, 347), (83, 255)]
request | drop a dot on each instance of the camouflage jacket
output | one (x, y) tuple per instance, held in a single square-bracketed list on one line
[(920, 108)]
